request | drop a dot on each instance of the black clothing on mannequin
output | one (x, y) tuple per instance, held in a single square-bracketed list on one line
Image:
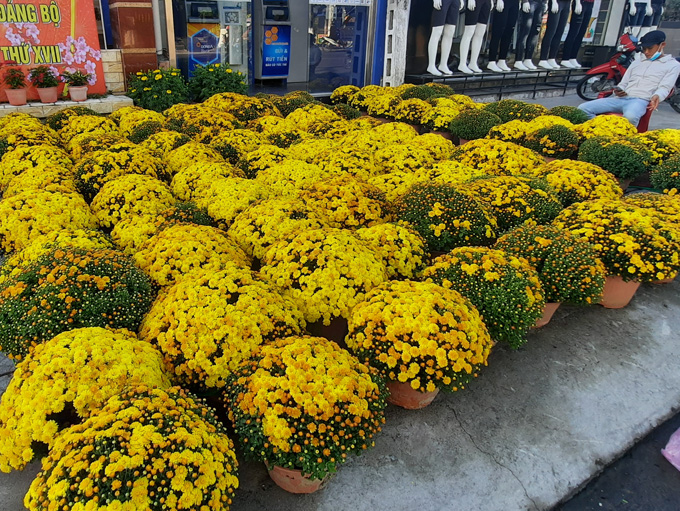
[(480, 14), (577, 29), (529, 28), (554, 30), (502, 26), (447, 15)]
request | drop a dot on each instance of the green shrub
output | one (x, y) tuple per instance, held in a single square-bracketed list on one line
[(626, 158), (144, 130), (346, 112), (511, 109), (212, 79), (59, 119), (555, 141), (158, 89), (472, 124), (666, 176), (570, 113), (419, 92)]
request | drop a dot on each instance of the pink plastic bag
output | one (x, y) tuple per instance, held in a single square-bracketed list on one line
[(672, 450)]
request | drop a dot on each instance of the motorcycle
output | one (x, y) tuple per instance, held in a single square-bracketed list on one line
[(604, 77)]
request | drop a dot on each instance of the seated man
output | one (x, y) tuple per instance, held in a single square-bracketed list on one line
[(646, 83)]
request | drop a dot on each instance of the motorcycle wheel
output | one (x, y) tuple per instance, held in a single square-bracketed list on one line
[(590, 86), (674, 101)]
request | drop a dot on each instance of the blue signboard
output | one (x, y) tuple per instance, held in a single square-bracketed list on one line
[(202, 46), (275, 51)]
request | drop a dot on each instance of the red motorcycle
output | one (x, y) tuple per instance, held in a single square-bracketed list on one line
[(605, 76)]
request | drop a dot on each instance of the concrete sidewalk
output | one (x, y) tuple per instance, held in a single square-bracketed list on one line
[(536, 426)]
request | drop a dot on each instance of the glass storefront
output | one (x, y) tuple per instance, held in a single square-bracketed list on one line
[(315, 45)]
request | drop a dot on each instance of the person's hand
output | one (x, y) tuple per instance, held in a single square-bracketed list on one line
[(632, 9), (619, 92), (648, 10), (526, 7), (437, 4), (500, 5), (578, 8), (653, 103), (555, 7), (471, 4)]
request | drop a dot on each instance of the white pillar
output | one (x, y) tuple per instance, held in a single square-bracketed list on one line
[(395, 42)]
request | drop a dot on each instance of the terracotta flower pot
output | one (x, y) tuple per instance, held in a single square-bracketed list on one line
[(617, 293), (447, 135), (16, 97), (462, 141), (624, 183), (48, 94), (663, 281), (294, 481), (78, 93), (548, 159), (548, 311), (402, 394)]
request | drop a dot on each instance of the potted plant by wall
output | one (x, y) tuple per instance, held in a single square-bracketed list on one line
[(77, 84), (16, 86), (44, 79)]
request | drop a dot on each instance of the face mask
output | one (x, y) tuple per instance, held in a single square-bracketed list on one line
[(655, 56)]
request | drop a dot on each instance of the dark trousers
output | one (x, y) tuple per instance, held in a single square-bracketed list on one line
[(554, 30), (502, 26), (636, 21), (528, 30), (577, 29)]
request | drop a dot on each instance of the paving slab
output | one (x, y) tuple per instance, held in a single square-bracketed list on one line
[(536, 425)]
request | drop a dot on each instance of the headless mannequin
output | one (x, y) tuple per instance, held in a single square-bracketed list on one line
[(476, 20), (444, 19), (652, 22), (557, 20), (577, 28), (636, 14), (527, 34), (502, 27)]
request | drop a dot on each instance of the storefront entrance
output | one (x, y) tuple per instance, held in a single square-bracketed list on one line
[(316, 45)]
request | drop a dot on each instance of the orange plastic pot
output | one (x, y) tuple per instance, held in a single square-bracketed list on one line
[(618, 293), (294, 481), (402, 394), (548, 311)]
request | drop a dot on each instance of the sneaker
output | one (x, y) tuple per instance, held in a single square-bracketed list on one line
[(520, 65), (494, 67)]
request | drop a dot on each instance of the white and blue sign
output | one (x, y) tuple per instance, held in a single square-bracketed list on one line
[(276, 51), (203, 49)]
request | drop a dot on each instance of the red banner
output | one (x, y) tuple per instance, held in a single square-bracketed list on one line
[(61, 34)]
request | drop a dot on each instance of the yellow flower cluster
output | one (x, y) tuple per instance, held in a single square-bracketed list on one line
[(130, 119), (452, 172), (48, 178), (174, 252), (576, 181), (325, 271), (200, 122), (505, 289), (163, 142), (303, 118), (27, 215), (496, 157), (665, 206), (20, 132), (208, 323), (146, 449), (343, 93), (128, 195), (412, 111), (407, 157), (91, 125), (194, 180), (439, 147), (45, 243), (74, 373), (188, 154), (229, 196), (611, 126), (22, 158), (86, 143), (402, 249), (420, 333), (631, 242), (100, 167), (395, 184), (311, 148), (244, 108), (347, 159), (269, 221), (234, 144), (305, 403), (345, 202), (262, 158)]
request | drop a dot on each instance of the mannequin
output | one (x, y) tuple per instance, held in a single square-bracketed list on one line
[(527, 34), (476, 19), (444, 19), (577, 29), (636, 15), (502, 26), (652, 22), (557, 20)]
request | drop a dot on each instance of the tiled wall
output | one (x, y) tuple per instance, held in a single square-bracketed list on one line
[(114, 76)]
